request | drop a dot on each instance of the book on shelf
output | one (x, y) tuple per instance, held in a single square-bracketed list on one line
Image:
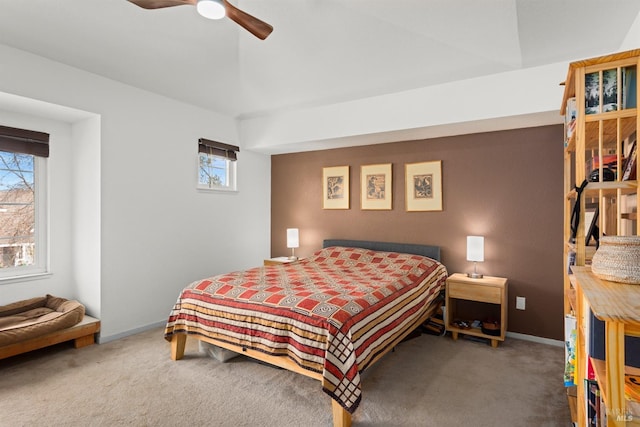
[(629, 169), (595, 331), (570, 115), (594, 404), (591, 373), (569, 350), (629, 84)]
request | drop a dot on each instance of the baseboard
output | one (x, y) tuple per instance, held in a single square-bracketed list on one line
[(533, 338), (105, 339)]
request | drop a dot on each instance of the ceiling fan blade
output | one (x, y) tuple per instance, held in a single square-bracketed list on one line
[(250, 23), (157, 4)]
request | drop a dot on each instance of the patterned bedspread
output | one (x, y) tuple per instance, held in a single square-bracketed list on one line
[(331, 313)]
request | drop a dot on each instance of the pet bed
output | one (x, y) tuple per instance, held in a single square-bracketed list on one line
[(42, 321)]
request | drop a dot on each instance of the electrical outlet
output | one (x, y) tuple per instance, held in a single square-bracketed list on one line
[(521, 303)]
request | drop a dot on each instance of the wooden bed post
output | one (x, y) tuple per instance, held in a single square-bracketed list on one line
[(178, 342), (341, 418)]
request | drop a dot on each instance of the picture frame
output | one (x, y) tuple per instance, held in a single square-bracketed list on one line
[(592, 231), (609, 90), (376, 187), (592, 93), (335, 187), (423, 186)]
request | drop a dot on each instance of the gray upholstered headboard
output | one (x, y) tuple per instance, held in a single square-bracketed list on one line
[(432, 252)]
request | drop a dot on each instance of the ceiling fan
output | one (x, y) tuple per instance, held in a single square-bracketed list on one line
[(215, 9)]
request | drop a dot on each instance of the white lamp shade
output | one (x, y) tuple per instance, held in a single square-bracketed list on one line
[(293, 238), (211, 9), (475, 248)]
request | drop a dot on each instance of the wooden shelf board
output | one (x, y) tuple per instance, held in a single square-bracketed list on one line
[(609, 188), (610, 301), (572, 280), (600, 370), (633, 330), (611, 115), (605, 59), (627, 187)]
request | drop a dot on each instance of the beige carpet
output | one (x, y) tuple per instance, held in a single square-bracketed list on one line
[(427, 381)]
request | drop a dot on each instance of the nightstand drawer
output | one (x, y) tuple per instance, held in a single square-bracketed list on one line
[(479, 293)]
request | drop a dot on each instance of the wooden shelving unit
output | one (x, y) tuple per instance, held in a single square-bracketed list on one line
[(617, 305), (601, 135)]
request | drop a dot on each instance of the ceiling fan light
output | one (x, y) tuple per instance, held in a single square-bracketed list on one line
[(211, 9)]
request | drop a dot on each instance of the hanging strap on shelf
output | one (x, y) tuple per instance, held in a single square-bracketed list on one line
[(575, 214)]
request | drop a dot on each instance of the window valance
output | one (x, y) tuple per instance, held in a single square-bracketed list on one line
[(24, 141), (218, 149)]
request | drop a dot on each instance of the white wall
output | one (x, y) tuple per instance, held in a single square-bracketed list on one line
[(522, 98), (85, 212), (632, 41), (139, 210)]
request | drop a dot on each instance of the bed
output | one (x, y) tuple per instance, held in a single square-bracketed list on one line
[(329, 316)]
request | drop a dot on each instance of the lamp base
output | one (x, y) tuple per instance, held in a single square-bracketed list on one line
[(475, 275)]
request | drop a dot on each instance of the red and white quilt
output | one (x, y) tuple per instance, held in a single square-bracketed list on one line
[(331, 313)]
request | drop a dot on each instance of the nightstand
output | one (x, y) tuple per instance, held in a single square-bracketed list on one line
[(278, 260), (486, 290)]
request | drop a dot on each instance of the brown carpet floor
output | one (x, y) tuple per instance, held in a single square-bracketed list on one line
[(427, 381)]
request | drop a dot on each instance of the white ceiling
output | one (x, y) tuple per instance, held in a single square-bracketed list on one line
[(320, 52)]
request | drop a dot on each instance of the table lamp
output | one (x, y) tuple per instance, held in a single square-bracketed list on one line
[(293, 241), (475, 253)]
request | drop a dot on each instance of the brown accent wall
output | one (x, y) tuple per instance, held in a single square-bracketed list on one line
[(506, 186)]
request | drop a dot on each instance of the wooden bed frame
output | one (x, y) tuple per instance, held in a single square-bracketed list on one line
[(341, 417)]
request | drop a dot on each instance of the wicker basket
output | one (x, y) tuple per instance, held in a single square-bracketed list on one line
[(618, 259)]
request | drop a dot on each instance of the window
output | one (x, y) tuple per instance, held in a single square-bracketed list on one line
[(217, 165), (23, 222)]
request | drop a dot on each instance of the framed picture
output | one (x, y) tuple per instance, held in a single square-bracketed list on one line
[(423, 184), (375, 187), (335, 187), (609, 90), (591, 215), (592, 93)]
